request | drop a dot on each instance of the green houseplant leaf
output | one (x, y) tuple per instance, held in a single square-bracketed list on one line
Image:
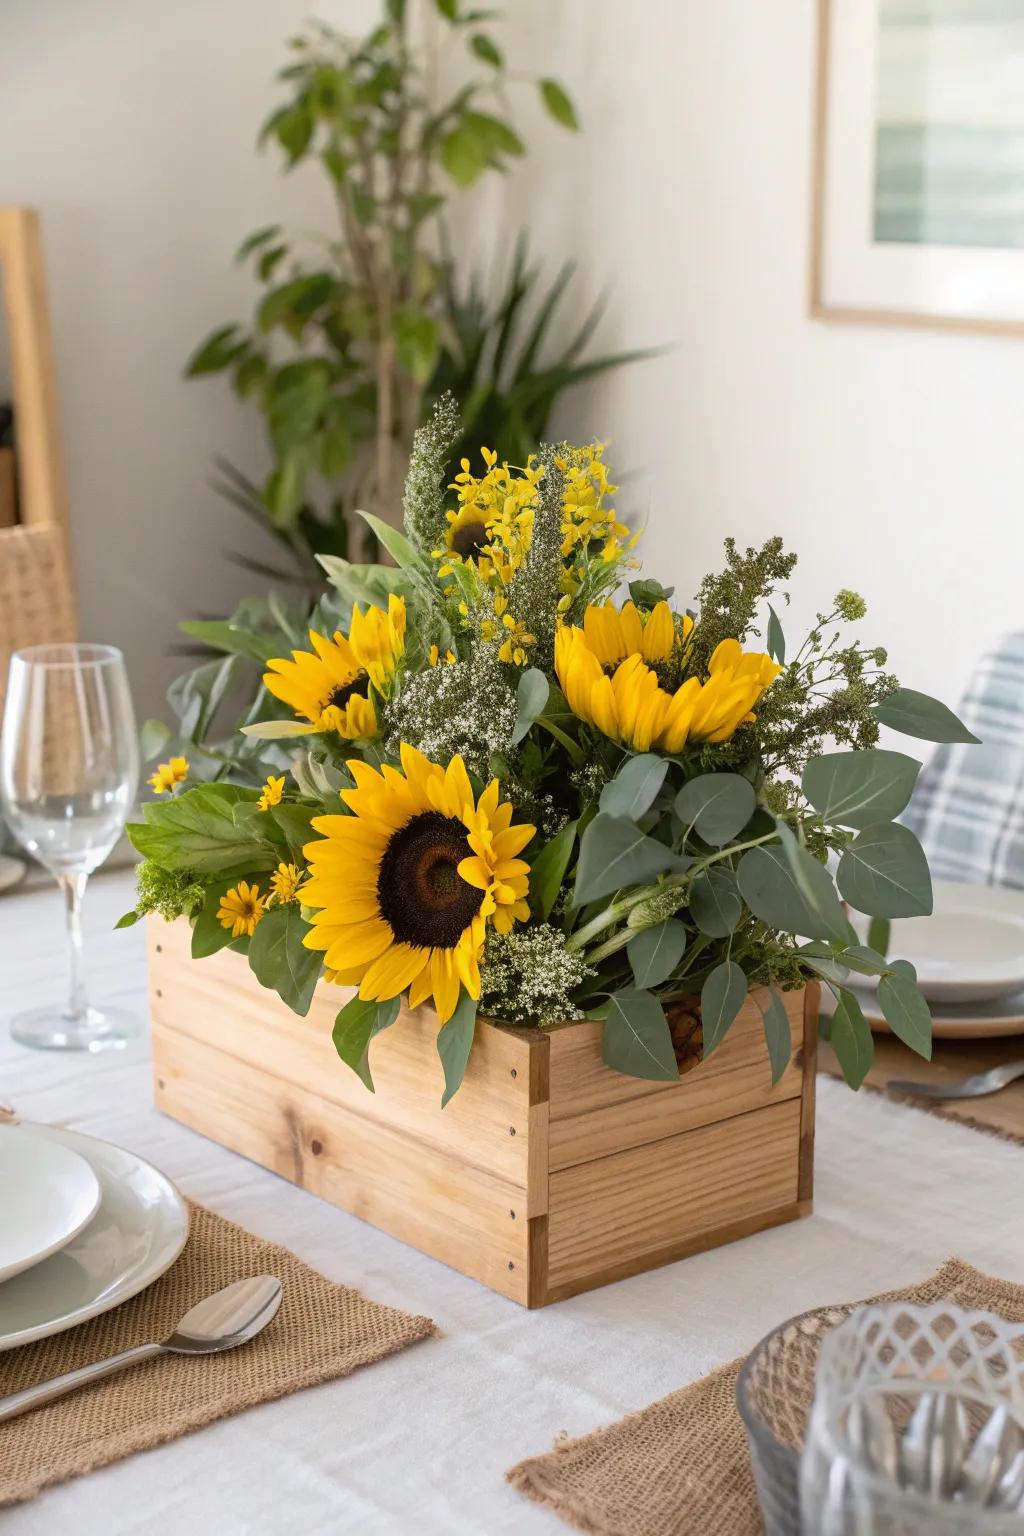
[(716, 805), (531, 699), (454, 1043), (196, 832), (805, 904), (655, 952), (721, 998), (558, 104), (636, 1039), (614, 853), (918, 714), (548, 870), (884, 873), (279, 959), (857, 789), (635, 787)]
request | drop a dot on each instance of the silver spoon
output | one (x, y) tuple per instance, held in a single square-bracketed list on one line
[(228, 1317), (967, 1088)]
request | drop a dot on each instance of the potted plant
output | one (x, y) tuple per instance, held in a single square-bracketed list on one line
[(556, 867)]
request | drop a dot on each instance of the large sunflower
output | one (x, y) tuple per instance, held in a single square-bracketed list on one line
[(330, 685), (613, 634), (403, 889), (624, 698)]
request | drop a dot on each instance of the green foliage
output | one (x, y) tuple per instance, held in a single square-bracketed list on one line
[(851, 1038), (196, 833), (454, 1043), (636, 1038), (279, 959), (916, 714), (355, 1027), (355, 334)]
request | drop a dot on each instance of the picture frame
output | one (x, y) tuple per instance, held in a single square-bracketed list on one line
[(918, 219)]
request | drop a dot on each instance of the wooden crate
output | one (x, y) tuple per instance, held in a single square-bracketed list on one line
[(547, 1174)]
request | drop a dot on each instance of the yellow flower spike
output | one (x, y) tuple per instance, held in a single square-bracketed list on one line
[(168, 774), (273, 789), (241, 909), (285, 882), (393, 907)]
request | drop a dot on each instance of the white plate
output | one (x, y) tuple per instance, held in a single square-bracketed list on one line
[(971, 949), (47, 1195), (958, 1021), (137, 1233)]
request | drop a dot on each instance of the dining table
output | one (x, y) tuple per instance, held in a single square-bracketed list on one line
[(421, 1441)]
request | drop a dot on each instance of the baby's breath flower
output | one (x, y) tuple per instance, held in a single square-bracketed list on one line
[(528, 976), (465, 707), (423, 500)]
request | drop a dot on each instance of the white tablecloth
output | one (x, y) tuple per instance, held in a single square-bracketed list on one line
[(420, 1442)]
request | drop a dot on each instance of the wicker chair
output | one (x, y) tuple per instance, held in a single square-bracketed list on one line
[(37, 602)]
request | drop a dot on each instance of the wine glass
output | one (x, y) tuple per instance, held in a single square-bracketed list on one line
[(69, 769)]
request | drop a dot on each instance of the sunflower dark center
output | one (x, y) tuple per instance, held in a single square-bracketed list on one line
[(419, 889), (470, 539), (358, 685)]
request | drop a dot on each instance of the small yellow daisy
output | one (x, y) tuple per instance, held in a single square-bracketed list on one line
[(273, 789), (169, 774), (241, 909), (285, 881)]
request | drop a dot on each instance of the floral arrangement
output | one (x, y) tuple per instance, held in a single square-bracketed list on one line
[(489, 780)]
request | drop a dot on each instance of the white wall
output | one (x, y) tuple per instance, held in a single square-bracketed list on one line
[(894, 460)]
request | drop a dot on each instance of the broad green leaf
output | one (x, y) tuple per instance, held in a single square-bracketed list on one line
[(486, 49), (295, 822), (825, 961), (217, 352), (548, 871), (884, 872), (531, 698), (865, 960), (918, 714), (196, 832), (815, 884), (775, 639), (258, 238), (153, 737), (222, 635), (355, 1027), (279, 959), (880, 934), (635, 787), (614, 854), (722, 996), (647, 593), (770, 889), (257, 824), (655, 952), (558, 104), (464, 154), (636, 1038), (396, 544), (128, 920), (196, 696), (851, 1039), (454, 1043), (906, 1012), (715, 902), (717, 805), (857, 789), (208, 933), (777, 1034)]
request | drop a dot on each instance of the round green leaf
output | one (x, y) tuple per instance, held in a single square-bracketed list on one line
[(636, 1038), (717, 805), (715, 902), (800, 900), (884, 873), (851, 1038), (858, 789), (635, 787), (614, 853), (906, 1012), (655, 952), (722, 996)]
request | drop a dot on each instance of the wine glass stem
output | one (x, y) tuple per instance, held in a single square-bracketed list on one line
[(73, 887)]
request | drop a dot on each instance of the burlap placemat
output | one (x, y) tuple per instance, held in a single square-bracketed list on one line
[(322, 1331), (681, 1466)]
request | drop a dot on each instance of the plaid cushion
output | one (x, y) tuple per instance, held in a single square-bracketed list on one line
[(968, 808)]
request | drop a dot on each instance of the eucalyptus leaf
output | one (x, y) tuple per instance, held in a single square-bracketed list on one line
[(715, 902), (918, 714), (614, 854), (279, 959), (865, 960), (851, 1038), (825, 962), (722, 996), (635, 787), (717, 805), (857, 789), (655, 952), (906, 1012), (884, 873), (531, 699), (880, 934), (454, 1043), (548, 871), (815, 884), (769, 886), (777, 1034), (636, 1039), (775, 639)]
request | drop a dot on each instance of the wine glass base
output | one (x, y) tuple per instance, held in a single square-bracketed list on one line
[(94, 1029)]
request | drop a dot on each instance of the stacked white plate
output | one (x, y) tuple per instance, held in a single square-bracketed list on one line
[(969, 958), (83, 1226)]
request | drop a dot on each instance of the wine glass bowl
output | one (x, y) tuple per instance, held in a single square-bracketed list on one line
[(69, 769)]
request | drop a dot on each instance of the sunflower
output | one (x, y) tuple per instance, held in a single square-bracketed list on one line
[(241, 909), (404, 888), (629, 705), (613, 634), (330, 685)]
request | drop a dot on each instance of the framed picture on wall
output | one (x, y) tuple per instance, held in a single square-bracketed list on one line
[(918, 205)]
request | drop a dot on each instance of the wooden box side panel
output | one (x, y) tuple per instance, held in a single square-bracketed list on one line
[(595, 1111), (496, 1122), (645, 1205), (447, 1208)]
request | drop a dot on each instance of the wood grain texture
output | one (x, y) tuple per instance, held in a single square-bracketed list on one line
[(621, 1209), (809, 1053), (595, 1110)]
